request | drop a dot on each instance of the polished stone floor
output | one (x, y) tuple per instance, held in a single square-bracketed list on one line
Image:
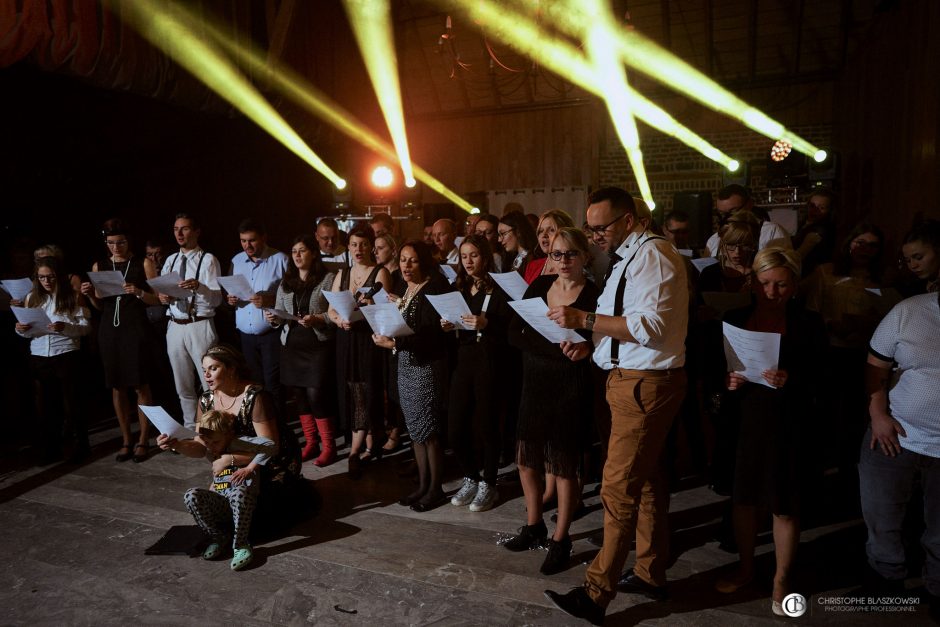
[(74, 537)]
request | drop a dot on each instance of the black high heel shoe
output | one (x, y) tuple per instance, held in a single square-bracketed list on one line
[(123, 457), (143, 456)]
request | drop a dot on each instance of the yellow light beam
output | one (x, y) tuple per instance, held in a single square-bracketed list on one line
[(644, 55), (371, 24), (165, 31), (518, 31), (609, 71), (303, 93)]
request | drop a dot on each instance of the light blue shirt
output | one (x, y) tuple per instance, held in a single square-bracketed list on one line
[(264, 275)]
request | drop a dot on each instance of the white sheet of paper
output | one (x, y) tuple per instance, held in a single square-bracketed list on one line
[(35, 317), (169, 284), (385, 319), (237, 285), (284, 315), (874, 290), (344, 304), (449, 272), (787, 217), (686, 252), (749, 353), (533, 311), (512, 283), (726, 301), (165, 424), (107, 283), (379, 297), (703, 262), (17, 288), (451, 306)]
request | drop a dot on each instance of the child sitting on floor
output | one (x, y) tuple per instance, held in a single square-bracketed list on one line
[(226, 507)]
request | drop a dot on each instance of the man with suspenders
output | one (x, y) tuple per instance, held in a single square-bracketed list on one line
[(191, 330), (639, 338)]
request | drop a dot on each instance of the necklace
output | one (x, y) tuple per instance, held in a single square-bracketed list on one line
[(232, 404), (116, 320), (409, 296)]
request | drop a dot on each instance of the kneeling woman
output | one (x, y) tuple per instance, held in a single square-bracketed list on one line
[(556, 410), (281, 499)]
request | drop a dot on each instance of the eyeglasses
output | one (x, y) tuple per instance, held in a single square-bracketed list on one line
[(503, 234), (600, 230), (733, 248), (120, 242), (45, 277), (557, 255)]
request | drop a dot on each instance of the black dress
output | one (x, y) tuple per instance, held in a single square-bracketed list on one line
[(555, 414), (775, 452), (359, 371), (125, 335)]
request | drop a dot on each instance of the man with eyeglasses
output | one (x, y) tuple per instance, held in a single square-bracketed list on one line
[(639, 337), (331, 248), (734, 198)]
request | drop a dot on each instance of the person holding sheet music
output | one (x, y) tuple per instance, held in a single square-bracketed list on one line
[(191, 330), (552, 436), (549, 223), (308, 347), (517, 237), (775, 415), (358, 361), (55, 360), (732, 273), (473, 417), (386, 254), (125, 336), (422, 370)]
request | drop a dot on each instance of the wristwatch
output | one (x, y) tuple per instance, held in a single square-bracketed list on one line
[(589, 320)]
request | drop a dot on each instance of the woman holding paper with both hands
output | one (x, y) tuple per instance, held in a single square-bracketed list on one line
[(775, 418), (552, 435), (125, 335), (422, 370)]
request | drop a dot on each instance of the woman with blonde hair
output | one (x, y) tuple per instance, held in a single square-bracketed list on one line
[(774, 416), (737, 246), (549, 223)]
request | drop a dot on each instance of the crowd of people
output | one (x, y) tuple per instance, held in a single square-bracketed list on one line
[(853, 392)]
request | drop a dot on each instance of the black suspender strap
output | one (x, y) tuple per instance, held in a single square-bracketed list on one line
[(618, 299), (192, 300)]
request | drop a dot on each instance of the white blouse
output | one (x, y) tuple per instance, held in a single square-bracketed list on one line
[(52, 344)]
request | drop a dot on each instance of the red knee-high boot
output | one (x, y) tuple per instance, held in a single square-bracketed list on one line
[(309, 426), (328, 451)]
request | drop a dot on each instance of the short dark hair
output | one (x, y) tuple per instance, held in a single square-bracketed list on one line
[(382, 217), (363, 232), (249, 225), (186, 216), (115, 226), (734, 189), (927, 232), (291, 281), (676, 215), (425, 256), (621, 202), (328, 222)]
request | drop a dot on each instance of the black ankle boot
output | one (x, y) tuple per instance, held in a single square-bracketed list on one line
[(559, 554), (529, 537)]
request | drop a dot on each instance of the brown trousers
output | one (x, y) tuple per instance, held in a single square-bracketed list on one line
[(635, 493)]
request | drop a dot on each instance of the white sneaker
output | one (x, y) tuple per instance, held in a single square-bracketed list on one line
[(466, 494), (485, 499)]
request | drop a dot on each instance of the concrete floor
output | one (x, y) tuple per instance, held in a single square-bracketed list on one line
[(74, 537)]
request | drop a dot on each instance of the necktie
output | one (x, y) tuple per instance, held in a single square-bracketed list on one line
[(183, 267)]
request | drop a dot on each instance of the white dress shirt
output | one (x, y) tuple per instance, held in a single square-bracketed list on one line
[(771, 234), (655, 305), (208, 294), (453, 257), (52, 344)]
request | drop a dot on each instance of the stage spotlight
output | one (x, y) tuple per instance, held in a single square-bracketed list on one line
[(382, 176), (341, 184), (410, 183), (780, 150), (733, 166), (820, 156), (651, 204), (475, 210)]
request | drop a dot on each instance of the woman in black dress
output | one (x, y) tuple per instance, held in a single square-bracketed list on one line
[(775, 416), (308, 349), (422, 370), (358, 361), (557, 400), (125, 336), (474, 389)]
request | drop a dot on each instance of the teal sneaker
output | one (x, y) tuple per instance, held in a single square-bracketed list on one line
[(242, 557)]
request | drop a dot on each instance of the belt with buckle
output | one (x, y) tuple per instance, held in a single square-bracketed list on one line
[(190, 320)]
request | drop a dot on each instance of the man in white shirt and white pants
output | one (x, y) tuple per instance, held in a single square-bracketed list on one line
[(191, 330), (639, 337)]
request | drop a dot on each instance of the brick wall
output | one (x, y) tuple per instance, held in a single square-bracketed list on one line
[(672, 167)]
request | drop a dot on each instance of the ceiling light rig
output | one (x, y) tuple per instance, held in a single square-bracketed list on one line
[(781, 150)]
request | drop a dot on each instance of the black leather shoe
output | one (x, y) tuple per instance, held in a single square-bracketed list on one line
[(559, 554), (577, 603), (632, 584), (529, 537)]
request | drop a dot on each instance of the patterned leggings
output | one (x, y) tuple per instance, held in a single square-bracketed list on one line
[(217, 513)]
